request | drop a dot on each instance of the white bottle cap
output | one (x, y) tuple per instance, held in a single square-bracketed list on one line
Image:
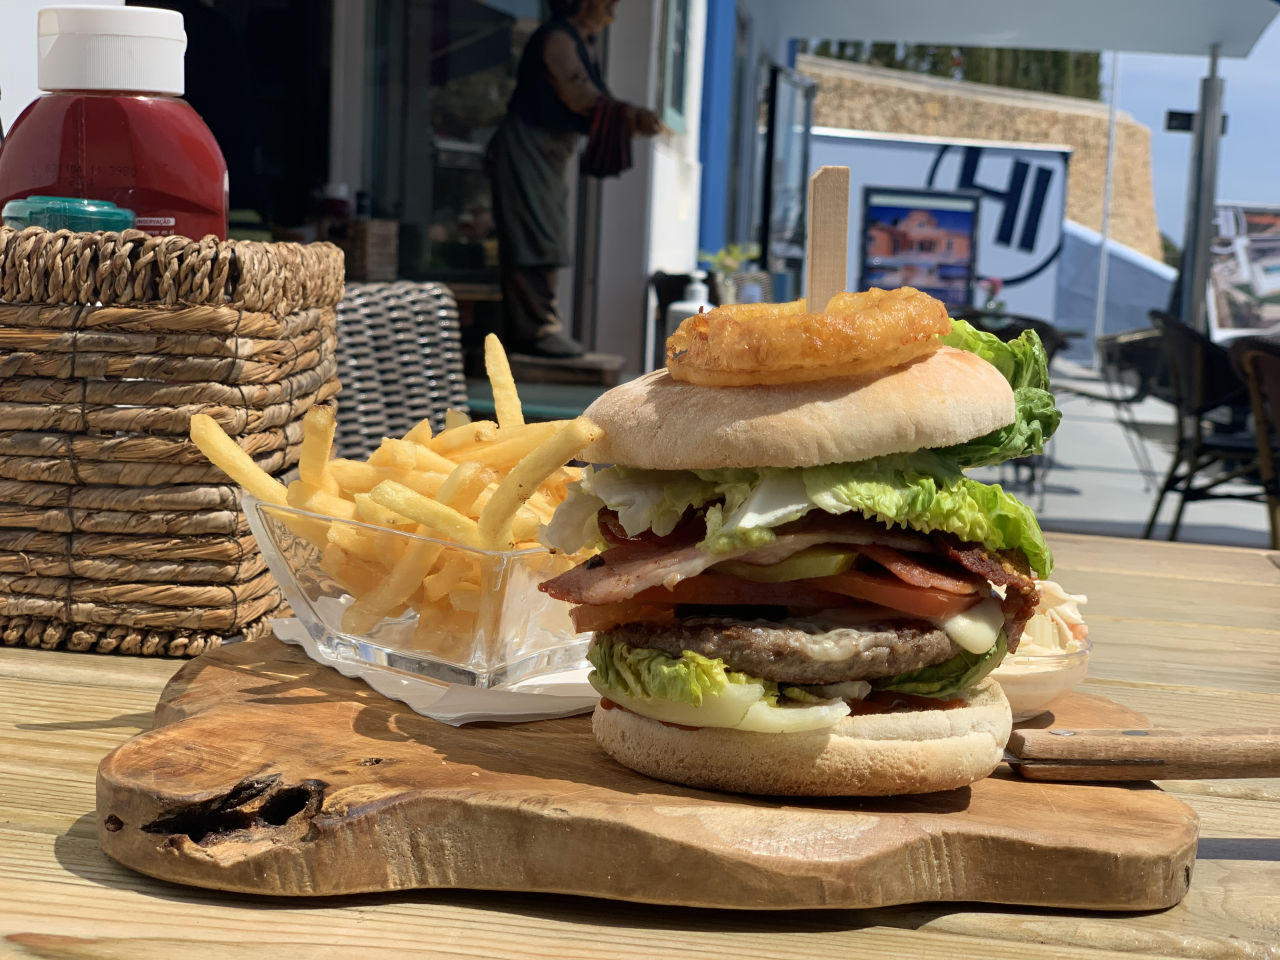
[(139, 49)]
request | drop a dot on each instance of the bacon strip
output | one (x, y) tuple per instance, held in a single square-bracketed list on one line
[(922, 571), (1004, 568), (623, 571)]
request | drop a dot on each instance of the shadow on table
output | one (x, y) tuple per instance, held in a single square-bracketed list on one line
[(132, 721)]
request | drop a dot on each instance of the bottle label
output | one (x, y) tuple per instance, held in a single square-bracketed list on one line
[(157, 226)]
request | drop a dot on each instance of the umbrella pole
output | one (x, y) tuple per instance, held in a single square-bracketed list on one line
[(1202, 192), (1100, 301)]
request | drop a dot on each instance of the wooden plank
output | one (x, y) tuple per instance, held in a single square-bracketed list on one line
[(827, 247), (62, 898), (1199, 561), (144, 673), (1178, 654), (65, 888)]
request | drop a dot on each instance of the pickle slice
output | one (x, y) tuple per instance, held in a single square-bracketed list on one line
[(824, 560)]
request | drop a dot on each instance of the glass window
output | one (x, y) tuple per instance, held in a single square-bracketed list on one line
[(441, 73), (675, 62)]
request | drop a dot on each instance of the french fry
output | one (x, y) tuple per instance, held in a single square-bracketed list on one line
[(356, 477), (467, 482), (506, 401), (525, 524), (420, 432), (392, 544), (318, 427), (429, 461), (359, 543), (465, 596), (455, 418), (419, 481), (225, 454), (465, 435), (436, 517), (397, 587), (507, 452), (367, 511), (303, 496), (439, 584), (400, 454), (495, 524), (355, 576)]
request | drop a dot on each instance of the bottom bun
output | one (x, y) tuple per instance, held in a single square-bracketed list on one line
[(875, 755)]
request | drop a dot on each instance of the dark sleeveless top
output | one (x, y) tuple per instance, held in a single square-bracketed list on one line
[(535, 100)]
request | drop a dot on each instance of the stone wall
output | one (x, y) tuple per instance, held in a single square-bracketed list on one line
[(859, 97)]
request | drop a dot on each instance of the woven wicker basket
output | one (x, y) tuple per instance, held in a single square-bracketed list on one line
[(116, 534)]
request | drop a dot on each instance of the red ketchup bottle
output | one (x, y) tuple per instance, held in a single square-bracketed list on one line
[(112, 125)]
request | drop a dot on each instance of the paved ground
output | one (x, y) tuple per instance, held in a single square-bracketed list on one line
[(1093, 483)]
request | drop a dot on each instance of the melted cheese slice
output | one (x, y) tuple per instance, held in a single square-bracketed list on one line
[(977, 628)]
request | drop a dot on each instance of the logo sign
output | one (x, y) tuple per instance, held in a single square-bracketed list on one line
[(1023, 201)]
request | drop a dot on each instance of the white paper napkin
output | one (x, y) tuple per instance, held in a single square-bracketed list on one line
[(545, 697)]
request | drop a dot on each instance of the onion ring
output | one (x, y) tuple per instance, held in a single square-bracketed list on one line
[(747, 344)]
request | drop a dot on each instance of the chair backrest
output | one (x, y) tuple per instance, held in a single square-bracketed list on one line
[(1259, 359), (1135, 358), (399, 359), (1201, 373)]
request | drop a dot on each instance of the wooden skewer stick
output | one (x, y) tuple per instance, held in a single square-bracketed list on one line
[(828, 241)]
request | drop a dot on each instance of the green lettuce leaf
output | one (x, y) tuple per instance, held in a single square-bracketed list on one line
[(646, 674), (1025, 365), (1022, 362), (947, 679), (926, 492)]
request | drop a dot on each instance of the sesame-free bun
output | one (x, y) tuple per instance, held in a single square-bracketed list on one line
[(659, 423), (876, 755)]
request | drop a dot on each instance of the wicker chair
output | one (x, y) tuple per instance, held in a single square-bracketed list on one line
[(1258, 359), (1202, 380), (400, 360)]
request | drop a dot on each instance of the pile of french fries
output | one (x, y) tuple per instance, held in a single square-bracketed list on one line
[(477, 485)]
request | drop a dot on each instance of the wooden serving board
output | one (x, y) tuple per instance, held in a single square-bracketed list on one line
[(268, 773)]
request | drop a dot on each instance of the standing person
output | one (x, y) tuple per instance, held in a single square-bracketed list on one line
[(559, 96)]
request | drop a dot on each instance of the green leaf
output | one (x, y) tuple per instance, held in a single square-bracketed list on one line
[(647, 674), (1022, 362), (1025, 365), (926, 492), (951, 677)]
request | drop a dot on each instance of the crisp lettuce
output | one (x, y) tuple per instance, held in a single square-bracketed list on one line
[(921, 490), (949, 678), (651, 674), (926, 492), (1025, 365), (647, 674), (1022, 362)]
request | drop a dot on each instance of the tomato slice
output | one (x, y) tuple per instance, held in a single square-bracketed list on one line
[(894, 593), (716, 588), (592, 617)]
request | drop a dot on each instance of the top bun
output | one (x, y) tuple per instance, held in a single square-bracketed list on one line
[(659, 423)]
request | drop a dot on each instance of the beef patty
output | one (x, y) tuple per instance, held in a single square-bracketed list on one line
[(798, 650)]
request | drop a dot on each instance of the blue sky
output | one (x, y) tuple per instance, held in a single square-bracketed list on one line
[(1249, 164)]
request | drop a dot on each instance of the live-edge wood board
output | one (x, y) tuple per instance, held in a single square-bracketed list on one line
[(268, 773)]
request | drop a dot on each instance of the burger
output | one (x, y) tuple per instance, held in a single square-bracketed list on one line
[(797, 589)]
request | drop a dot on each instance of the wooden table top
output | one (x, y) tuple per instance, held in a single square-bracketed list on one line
[(1189, 635)]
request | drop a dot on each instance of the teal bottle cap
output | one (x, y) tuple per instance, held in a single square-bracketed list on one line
[(67, 213)]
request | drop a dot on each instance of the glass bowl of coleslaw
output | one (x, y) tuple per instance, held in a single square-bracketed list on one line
[(1052, 657)]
